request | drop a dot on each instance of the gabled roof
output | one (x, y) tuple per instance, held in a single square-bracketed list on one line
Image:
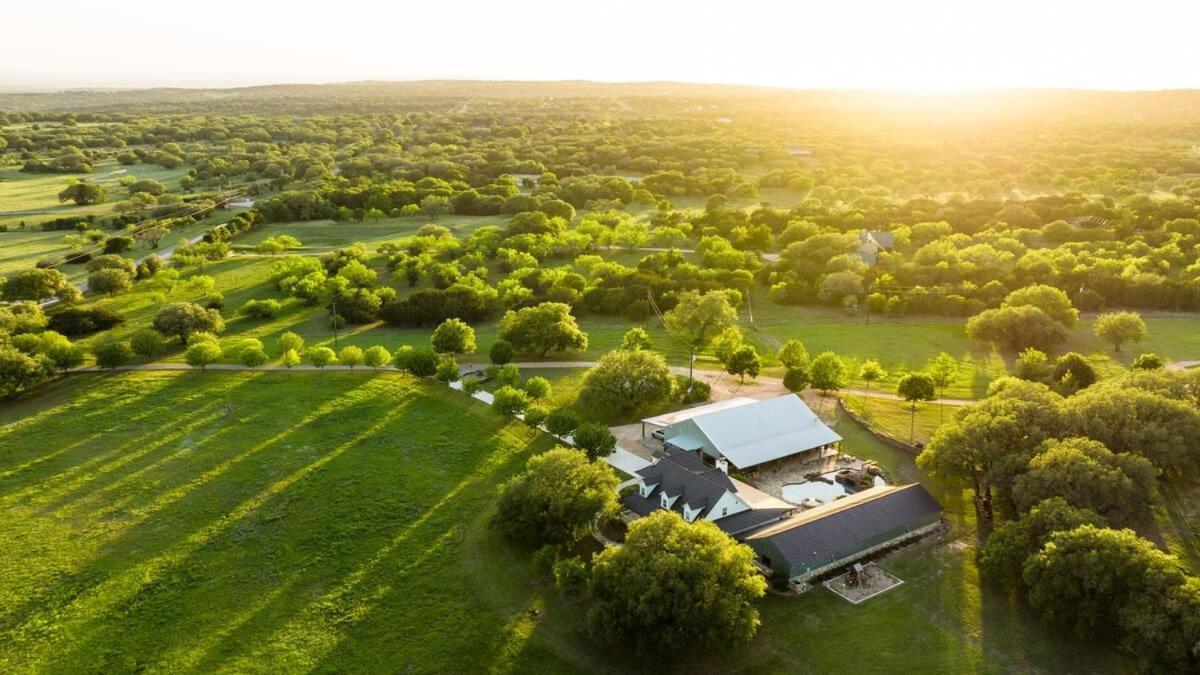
[(746, 521), (763, 431), (846, 525), (668, 419), (685, 475)]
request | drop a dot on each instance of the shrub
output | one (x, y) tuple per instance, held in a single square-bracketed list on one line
[(447, 371), (795, 380), (537, 387), (595, 439), (259, 309), (148, 344), (112, 354), (508, 374), (501, 352), (570, 575), (562, 422), (1148, 362), (535, 414), (509, 401), (74, 321), (699, 391)]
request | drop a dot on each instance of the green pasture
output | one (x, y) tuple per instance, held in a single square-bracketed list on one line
[(271, 522)]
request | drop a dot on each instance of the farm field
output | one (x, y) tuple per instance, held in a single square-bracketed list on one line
[(284, 521)]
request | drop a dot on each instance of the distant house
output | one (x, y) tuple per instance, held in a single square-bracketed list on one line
[(810, 543), (749, 434), (798, 150), (680, 481), (871, 243)]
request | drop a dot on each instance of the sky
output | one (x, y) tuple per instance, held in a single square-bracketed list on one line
[(912, 45)]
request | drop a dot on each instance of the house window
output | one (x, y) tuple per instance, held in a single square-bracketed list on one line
[(724, 511)]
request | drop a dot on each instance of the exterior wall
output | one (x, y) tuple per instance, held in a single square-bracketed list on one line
[(780, 565), (689, 427), (728, 501)]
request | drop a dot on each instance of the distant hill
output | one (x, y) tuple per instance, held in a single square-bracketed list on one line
[(434, 95)]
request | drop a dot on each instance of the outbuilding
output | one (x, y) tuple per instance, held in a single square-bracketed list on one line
[(811, 543)]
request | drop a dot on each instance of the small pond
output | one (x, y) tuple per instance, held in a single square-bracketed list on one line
[(823, 489)]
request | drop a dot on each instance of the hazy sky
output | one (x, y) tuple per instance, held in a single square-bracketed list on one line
[(904, 44)]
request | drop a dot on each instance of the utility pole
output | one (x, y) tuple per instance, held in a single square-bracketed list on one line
[(334, 320)]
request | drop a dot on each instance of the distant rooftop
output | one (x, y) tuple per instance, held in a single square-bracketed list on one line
[(688, 413)]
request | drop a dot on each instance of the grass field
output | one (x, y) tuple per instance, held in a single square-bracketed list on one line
[(338, 522), (894, 418), (250, 523)]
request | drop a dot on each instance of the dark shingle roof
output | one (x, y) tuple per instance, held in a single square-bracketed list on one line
[(816, 536), (684, 474), (745, 521)]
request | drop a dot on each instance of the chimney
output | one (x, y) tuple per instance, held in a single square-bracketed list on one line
[(723, 465)]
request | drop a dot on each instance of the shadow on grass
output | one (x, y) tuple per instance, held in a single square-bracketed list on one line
[(137, 554)]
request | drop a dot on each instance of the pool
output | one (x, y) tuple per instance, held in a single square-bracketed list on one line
[(819, 489)]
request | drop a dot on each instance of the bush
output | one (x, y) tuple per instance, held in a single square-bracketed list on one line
[(447, 371), (148, 344), (595, 439), (537, 387), (501, 352), (421, 362), (795, 380), (74, 321), (259, 309), (562, 422), (570, 575), (508, 375), (1148, 362), (112, 354), (509, 401), (698, 392), (535, 414)]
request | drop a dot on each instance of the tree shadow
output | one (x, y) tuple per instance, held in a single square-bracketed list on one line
[(141, 553)]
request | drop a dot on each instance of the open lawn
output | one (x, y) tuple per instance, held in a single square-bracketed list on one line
[(33, 197), (252, 522), (894, 418), (338, 521)]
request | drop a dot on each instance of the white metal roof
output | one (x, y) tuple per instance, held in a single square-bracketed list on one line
[(688, 413), (762, 431)]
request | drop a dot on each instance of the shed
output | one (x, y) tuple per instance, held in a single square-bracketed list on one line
[(845, 531)]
